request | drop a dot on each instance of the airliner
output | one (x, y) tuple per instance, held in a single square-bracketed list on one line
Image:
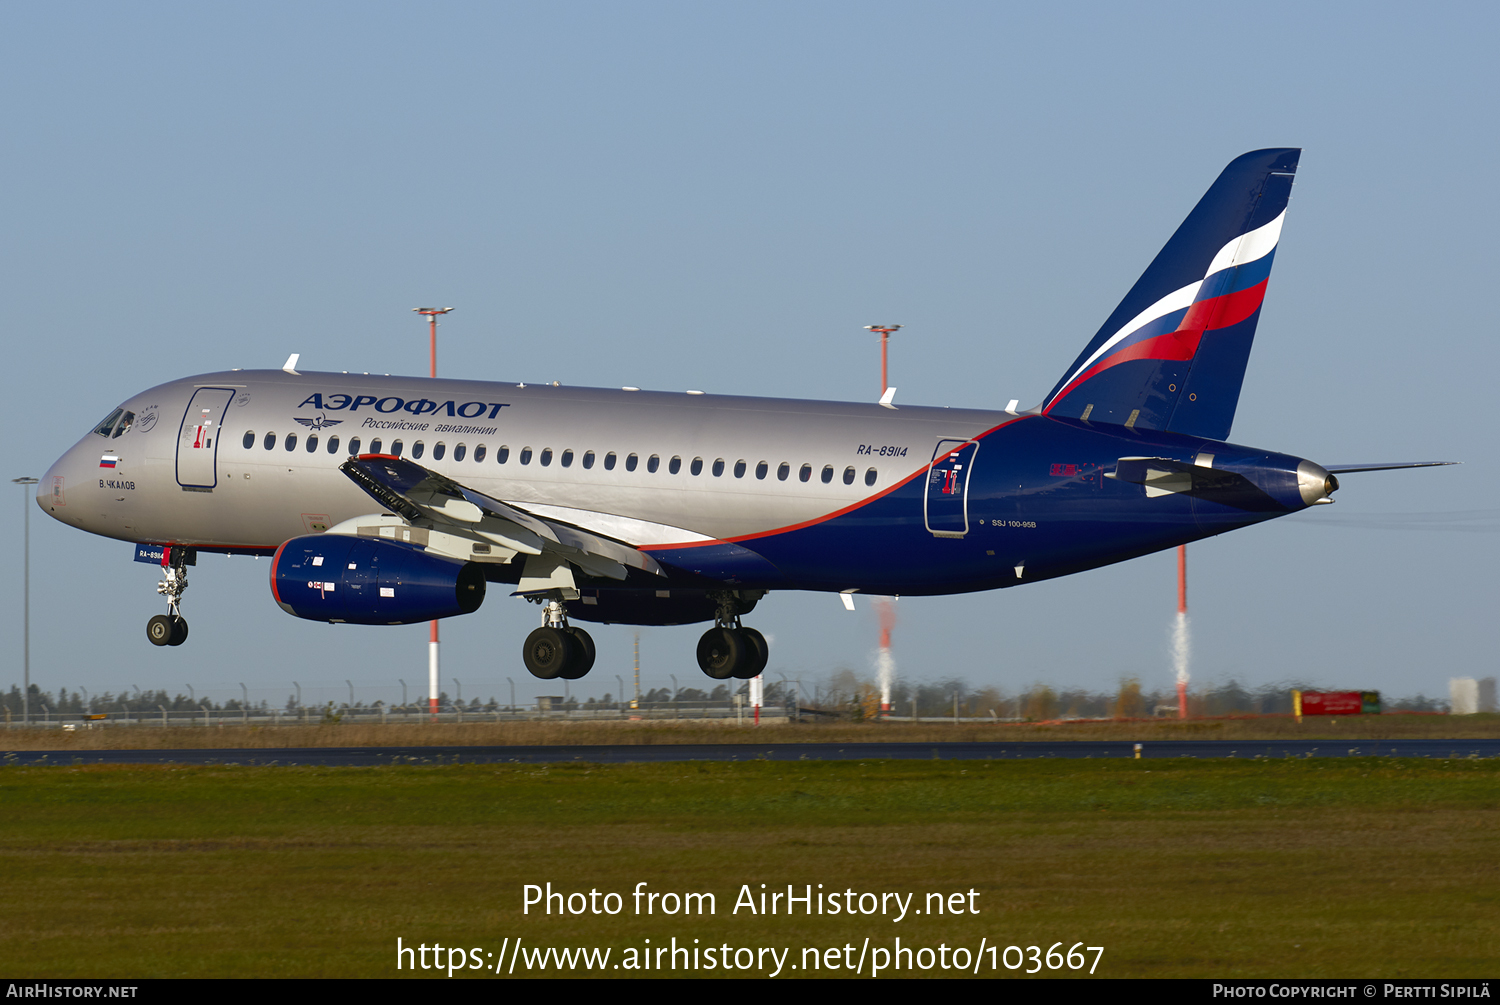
[(394, 500)]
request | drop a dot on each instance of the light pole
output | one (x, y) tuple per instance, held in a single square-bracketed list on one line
[(431, 313), (26, 594), (884, 331)]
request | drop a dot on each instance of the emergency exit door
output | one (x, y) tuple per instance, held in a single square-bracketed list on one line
[(946, 503), (198, 437)]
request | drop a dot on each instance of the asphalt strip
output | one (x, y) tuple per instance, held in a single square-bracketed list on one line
[(646, 753)]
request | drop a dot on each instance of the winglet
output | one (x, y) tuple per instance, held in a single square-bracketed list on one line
[(888, 397), (291, 364)]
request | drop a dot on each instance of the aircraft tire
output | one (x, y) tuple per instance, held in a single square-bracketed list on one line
[(583, 655), (179, 632), (757, 653), (720, 650), (159, 630), (547, 653)]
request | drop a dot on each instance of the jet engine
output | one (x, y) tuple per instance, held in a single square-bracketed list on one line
[(371, 581)]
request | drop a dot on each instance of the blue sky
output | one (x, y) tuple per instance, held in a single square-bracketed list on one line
[(720, 196)]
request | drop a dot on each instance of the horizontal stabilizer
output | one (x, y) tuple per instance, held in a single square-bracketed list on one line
[(1161, 476), (1349, 469)]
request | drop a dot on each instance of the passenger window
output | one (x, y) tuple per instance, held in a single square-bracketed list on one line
[(124, 425), (354, 446), (675, 465), (739, 468), (375, 445), (652, 463), (270, 441), (827, 473), (104, 427), (525, 455), (396, 448), (502, 455), (761, 469), (631, 462), (479, 453), (249, 440), (418, 449), (546, 456), (291, 441), (333, 444), (805, 473), (609, 461), (459, 451), (438, 450), (312, 443), (719, 467), (870, 477), (697, 466), (588, 459), (567, 458), (848, 476), (782, 471)]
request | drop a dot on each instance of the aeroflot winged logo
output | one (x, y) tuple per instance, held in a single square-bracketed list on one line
[(321, 422), (392, 403)]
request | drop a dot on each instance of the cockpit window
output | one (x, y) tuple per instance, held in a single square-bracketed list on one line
[(104, 427), (124, 424)]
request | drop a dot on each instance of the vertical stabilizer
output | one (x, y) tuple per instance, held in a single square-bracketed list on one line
[(1172, 356)]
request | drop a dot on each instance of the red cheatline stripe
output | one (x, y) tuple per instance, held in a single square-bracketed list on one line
[(819, 519)]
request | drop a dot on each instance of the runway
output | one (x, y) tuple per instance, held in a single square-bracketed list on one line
[(644, 753)]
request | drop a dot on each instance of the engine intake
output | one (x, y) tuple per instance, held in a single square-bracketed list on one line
[(371, 581)]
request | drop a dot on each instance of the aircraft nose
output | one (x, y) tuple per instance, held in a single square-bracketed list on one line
[(1315, 484), (52, 489)]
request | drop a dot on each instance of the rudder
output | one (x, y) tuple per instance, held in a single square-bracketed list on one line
[(1172, 356)]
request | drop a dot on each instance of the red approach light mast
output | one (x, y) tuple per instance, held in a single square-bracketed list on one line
[(884, 331), (431, 314), (1181, 615)]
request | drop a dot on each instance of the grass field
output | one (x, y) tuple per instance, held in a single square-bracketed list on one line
[(1372, 727), (1282, 868)]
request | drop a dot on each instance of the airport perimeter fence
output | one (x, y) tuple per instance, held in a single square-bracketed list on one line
[(384, 715)]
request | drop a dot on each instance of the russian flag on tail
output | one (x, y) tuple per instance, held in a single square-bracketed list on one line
[(1172, 355)]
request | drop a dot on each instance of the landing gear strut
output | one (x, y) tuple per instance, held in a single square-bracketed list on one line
[(557, 649), (171, 629), (729, 649)]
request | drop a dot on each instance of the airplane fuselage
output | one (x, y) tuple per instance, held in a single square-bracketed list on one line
[(752, 492)]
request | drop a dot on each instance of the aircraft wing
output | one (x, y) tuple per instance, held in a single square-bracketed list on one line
[(416, 493)]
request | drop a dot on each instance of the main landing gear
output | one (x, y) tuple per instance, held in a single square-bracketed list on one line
[(171, 629), (557, 649), (729, 649)]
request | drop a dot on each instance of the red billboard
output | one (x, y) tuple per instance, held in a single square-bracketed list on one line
[(1337, 702)]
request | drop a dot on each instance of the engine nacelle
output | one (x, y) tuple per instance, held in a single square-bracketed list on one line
[(371, 581)]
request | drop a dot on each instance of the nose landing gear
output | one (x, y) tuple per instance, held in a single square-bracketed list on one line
[(171, 629), (729, 649), (557, 649)]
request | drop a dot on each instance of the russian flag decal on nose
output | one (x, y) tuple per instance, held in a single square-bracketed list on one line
[(108, 461)]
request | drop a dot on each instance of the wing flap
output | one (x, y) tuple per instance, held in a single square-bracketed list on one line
[(415, 492)]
